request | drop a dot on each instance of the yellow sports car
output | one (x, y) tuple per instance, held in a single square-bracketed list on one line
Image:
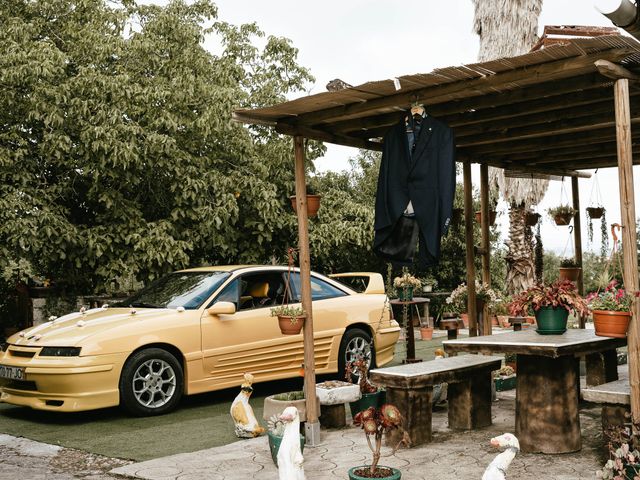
[(192, 331)]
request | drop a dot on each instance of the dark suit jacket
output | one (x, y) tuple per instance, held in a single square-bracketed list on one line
[(427, 178)]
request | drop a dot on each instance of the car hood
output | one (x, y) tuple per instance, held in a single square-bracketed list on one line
[(70, 330)]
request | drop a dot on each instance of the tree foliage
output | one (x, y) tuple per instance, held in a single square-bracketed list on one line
[(118, 156)]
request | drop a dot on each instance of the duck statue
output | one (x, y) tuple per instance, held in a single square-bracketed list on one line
[(245, 421), (497, 469), (290, 457)]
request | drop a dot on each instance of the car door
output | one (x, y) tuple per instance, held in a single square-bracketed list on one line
[(249, 341)]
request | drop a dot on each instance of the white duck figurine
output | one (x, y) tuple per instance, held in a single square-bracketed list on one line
[(290, 457), (497, 469), (247, 425)]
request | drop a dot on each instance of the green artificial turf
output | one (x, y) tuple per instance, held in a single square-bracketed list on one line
[(202, 421)]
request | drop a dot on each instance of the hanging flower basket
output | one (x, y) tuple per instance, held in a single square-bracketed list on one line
[(562, 214), (570, 273), (595, 212), (492, 217), (532, 219), (290, 325), (313, 204)]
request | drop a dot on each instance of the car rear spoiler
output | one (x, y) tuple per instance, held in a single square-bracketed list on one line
[(375, 285)]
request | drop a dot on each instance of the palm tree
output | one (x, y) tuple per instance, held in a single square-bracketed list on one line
[(507, 28)]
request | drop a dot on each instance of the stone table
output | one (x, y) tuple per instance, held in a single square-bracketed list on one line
[(547, 394)]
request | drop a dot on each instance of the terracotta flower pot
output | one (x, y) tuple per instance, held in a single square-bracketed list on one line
[(610, 323), (563, 218), (290, 325), (494, 321), (492, 217), (465, 319), (570, 273), (313, 204), (426, 333), (503, 320)]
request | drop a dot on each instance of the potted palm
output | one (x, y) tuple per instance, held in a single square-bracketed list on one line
[(611, 310), (377, 422), (569, 269), (562, 214), (290, 319), (551, 305)]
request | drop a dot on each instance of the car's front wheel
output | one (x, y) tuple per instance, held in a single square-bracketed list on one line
[(151, 383), (355, 344)]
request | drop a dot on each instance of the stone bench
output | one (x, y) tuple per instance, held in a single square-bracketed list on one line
[(410, 387), (615, 398)]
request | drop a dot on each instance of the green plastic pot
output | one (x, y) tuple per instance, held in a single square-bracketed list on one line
[(274, 445), (367, 400), (552, 320), (405, 295), (505, 383), (395, 473)]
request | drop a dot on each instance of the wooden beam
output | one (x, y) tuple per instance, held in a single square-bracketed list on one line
[(629, 245), (615, 70), (485, 245), (312, 424), (577, 235), (525, 76), (468, 234), (328, 137)]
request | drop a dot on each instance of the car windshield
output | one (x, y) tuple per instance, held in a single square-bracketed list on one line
[(180, 289)]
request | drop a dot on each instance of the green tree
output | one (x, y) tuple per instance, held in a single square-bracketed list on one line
[(118, 156)]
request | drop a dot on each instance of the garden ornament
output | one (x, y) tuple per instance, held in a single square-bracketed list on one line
[(497, 469), (290, 457), (245, 421)]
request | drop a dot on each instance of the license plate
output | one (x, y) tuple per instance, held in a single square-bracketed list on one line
[(12, 373)]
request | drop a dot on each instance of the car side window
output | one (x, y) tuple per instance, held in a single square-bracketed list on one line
[(229, 294), (320, 289)]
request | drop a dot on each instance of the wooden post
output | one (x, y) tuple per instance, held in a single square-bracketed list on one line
[(628, 216), (577, 235), (468, 233), (484, 242), (312, 426)]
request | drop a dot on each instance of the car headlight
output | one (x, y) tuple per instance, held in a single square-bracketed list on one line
[(59, 352)]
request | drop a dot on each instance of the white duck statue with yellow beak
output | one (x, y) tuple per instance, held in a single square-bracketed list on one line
[(497, 469)]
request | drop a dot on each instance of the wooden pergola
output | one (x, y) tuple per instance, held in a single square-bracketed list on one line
[(554, 111)]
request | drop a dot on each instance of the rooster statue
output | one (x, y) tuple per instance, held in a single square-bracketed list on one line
[(497, 469), (245, 421), (289, 455)]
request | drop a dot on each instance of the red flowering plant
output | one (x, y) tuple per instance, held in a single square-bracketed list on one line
[(612, 299), (561, 293), (376, 422)]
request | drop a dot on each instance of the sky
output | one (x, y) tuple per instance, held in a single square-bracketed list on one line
[(365, 40)]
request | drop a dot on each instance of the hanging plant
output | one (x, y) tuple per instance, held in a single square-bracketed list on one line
[(604, 236), (562, 214), (290, 318)]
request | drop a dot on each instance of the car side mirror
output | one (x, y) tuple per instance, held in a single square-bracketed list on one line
[(222, 308)]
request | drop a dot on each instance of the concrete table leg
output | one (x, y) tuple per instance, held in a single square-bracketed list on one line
[(547, 419), (602, 367), (470, 402), (415, 406)]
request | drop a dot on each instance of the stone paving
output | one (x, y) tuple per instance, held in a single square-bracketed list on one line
[(462, 455)]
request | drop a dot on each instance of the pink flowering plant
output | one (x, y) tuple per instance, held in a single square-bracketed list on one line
[(561, 293), (612, 299)]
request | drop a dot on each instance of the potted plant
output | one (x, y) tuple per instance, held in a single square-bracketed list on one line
[(370, 395), (377, 422), (275, 404), (429, 284), (313, 202), (290, 319), (500, 309), (510, 360), (611, 310), (504, 379), (562, 214), (624, 457), (484, 296), (551, 305), (569, 269), (595, 212), (492, 217), (405, 284), (275, 431)]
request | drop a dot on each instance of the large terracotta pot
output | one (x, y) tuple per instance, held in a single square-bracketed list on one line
[(563, 219), (290, 325), (426, 333), (313, 204), (611, 324), (465, 319), (552, 321), (570, 273)]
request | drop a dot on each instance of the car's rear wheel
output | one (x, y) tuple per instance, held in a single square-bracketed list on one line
[(151, 383), (355, 343)]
